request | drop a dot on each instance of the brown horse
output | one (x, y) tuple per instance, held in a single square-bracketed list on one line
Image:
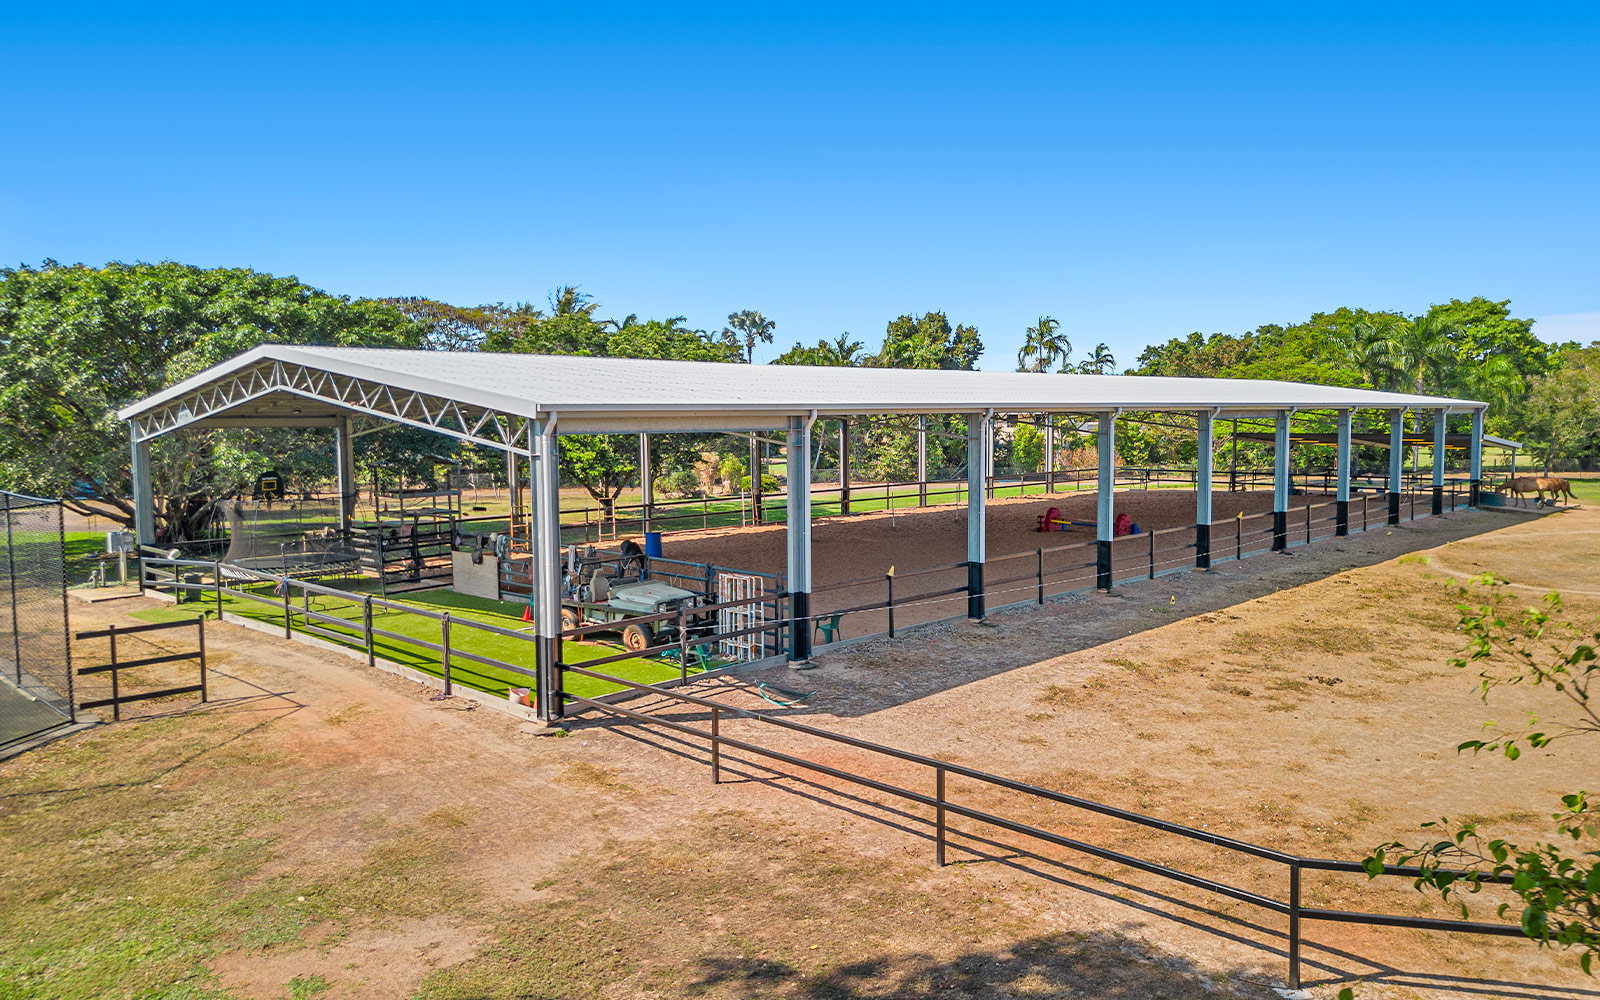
[(1557, 487), (1521, 486)]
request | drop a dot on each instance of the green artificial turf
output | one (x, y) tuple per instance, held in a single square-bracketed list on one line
[(463, 610)]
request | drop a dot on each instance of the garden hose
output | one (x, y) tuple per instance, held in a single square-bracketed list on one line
[(795, 697)]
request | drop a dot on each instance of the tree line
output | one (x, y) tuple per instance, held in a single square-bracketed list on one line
[(78, 341)]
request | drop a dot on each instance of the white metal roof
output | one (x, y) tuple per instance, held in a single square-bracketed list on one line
[(604, 394)]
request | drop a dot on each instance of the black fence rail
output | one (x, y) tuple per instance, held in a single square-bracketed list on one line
[(944, 806), (118, 663)]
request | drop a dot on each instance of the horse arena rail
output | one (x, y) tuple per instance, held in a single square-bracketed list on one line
[(943, 806), (592, 523)]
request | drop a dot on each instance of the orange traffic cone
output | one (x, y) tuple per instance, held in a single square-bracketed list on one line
[(527, 613)]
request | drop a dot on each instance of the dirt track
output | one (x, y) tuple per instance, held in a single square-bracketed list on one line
[(327, 821)]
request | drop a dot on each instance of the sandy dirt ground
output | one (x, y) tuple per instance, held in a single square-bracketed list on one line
[(922, 546), (381, 844)]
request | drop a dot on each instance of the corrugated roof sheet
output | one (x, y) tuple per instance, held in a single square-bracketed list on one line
[(534, 385)]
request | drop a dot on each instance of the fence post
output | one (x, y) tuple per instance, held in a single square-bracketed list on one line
[(1308, 522), (889, 579), (1238, 537), (1363, 512), (288, 619), (216, 582), (366, 628), (1040, 554), (938, 816), (11, 577), (1152, 535), (200, 624), (1294, 927), (683, 647), (444, 648), (116, 693), (716, 745)]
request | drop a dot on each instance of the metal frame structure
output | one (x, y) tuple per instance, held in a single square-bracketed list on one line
[(520, 404)]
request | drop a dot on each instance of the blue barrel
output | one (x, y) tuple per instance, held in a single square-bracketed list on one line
[(652, 543)]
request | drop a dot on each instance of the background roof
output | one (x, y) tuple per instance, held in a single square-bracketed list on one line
[(598, 394)]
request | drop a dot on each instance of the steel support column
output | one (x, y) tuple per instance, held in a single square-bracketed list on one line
[(1397, 460), (647, 489), (979, 436), (1049, 452), (1202, 492), (144, 500), (1341, 523), (345, 460), (1438, 462), (799, 536), (1106, 452), (844, 465), (1280, 482), (1475, 450), (922, 461), (545, 570), (757, 467)]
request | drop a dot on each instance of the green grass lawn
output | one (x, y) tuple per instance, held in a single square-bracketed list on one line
[(463, 638)]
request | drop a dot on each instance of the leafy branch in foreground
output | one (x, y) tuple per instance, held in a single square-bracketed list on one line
[(1557, 883)]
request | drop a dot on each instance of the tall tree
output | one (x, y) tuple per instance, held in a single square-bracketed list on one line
[(929, 341), (79, 342), (1044, 346), (841, 352), (1100, 362), (749, 326)]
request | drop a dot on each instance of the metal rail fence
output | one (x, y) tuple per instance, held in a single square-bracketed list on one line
[(117, 662), (944, 806), (35, 653)]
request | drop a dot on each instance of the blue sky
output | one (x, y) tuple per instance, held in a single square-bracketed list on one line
[(1136, 177)]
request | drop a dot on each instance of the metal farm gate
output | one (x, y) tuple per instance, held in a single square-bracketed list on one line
[(35, 657)]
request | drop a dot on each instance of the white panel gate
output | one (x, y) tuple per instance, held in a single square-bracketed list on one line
[(740, 587)]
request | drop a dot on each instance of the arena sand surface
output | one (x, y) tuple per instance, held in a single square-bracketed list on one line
[(328, 830), (913, 542)]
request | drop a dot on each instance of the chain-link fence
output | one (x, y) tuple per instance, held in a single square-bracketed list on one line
[(35, 658)]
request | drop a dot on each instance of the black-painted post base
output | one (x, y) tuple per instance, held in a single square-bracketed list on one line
[(1394, 508), (1202, 546), (1280, 530), (1473, 491), (548, 702), (975, 591), (1438, 500), (1341, 518), (799, 627), (1102, 565)]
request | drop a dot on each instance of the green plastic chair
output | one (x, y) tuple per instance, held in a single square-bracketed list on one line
[(828, 628)]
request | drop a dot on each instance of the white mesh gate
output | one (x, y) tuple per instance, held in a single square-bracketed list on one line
[(747, 646)]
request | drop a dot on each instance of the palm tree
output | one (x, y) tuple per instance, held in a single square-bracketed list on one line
[(1100, 362), (846, 352), (568, 301), (1495, 380), (1405, 354), (751, 326), (1044, 346)]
